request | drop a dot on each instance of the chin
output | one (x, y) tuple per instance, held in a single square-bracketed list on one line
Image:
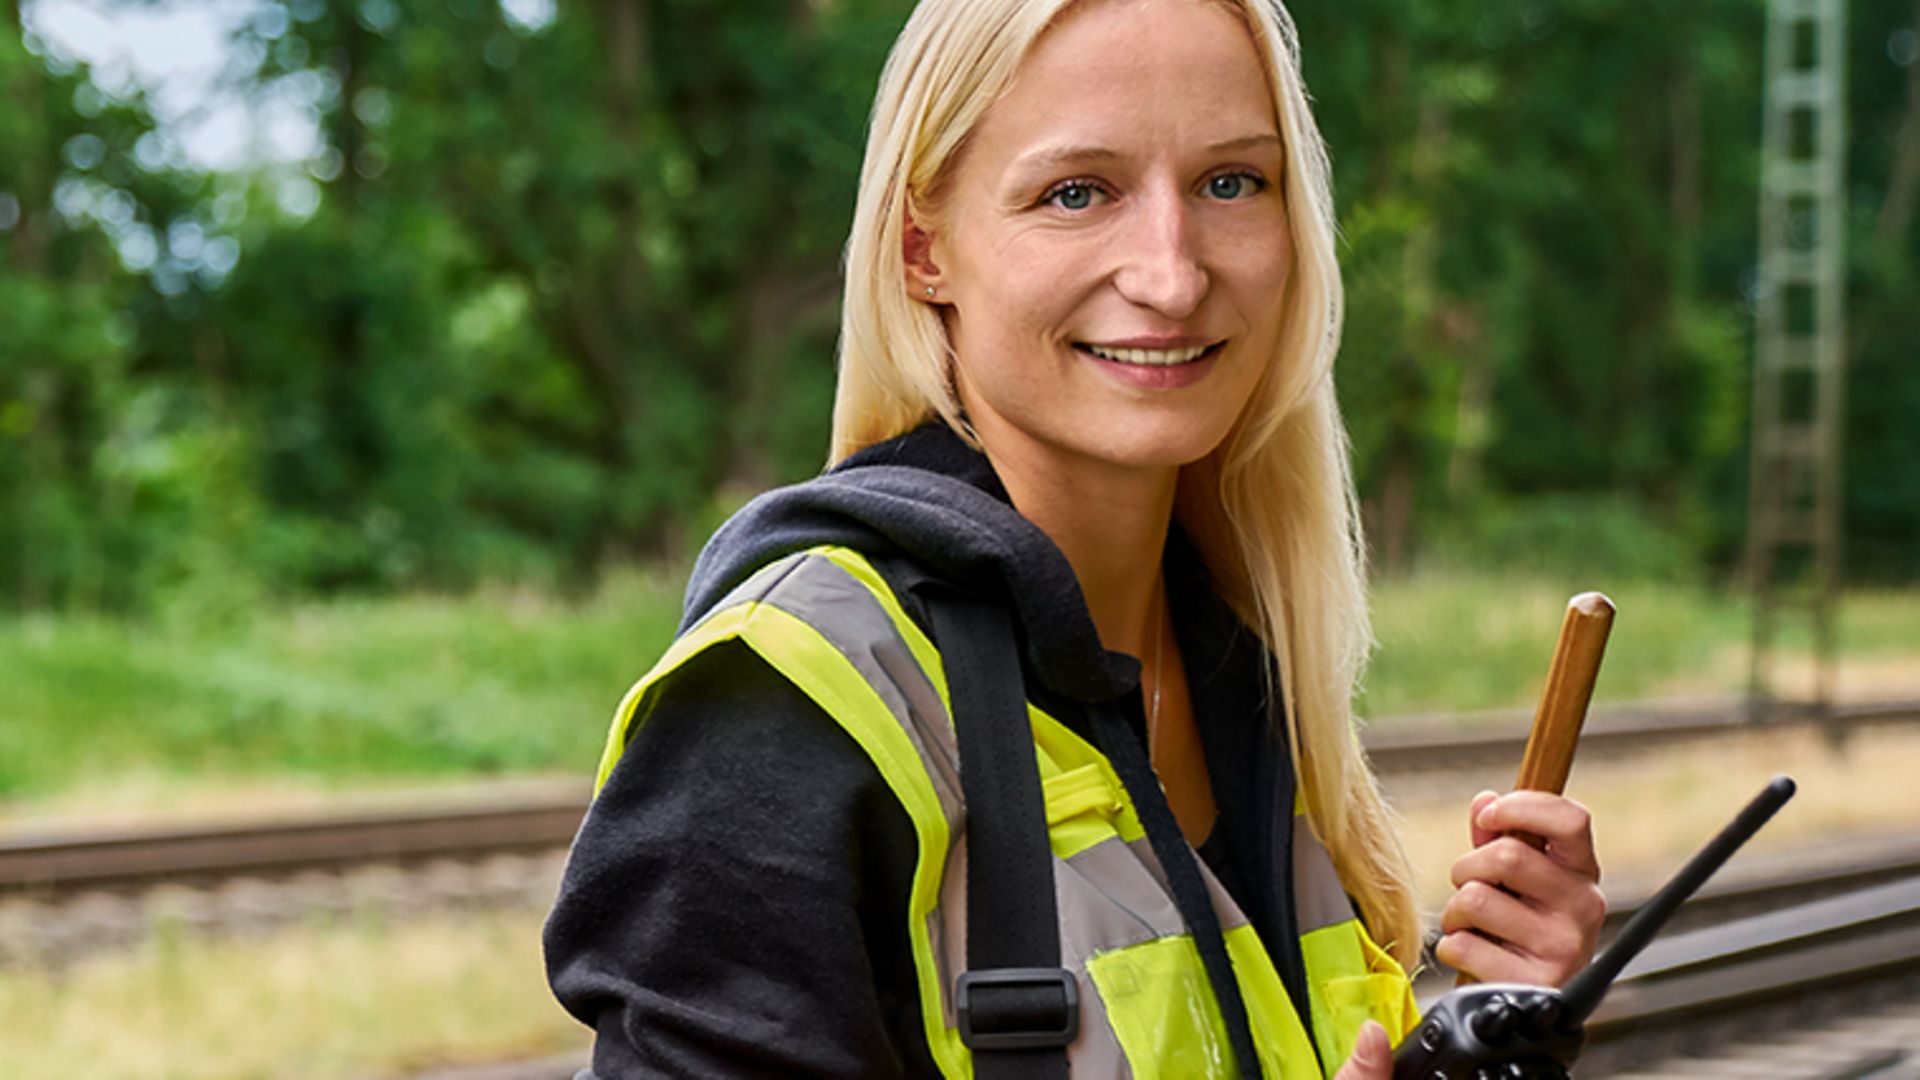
[(1173, 447)]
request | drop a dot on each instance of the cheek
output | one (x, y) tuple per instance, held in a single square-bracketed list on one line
[(1026, 301), (1263, 255), (1262, 277)]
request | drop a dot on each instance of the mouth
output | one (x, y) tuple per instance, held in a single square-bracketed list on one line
[(1158, 358)]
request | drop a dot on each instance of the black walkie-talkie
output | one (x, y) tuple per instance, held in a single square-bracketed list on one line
[(1510, 1031)]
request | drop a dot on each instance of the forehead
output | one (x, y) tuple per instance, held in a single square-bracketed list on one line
[(1135, 75)]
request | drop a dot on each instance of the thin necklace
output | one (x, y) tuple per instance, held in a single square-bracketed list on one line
[(1153, 711)]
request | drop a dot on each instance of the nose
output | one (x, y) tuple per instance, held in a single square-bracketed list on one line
[(1161, 267)]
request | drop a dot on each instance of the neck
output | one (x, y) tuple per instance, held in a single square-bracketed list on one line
[(1111, 523)]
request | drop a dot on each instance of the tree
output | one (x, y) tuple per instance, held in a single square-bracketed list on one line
[(77, 207)]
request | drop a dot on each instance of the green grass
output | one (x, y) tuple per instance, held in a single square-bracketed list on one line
[(1457, 641), (1882, 622), (353, 693), (1461, 641), (329, 692)]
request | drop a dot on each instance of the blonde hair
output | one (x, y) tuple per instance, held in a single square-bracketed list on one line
[(1272, 509)]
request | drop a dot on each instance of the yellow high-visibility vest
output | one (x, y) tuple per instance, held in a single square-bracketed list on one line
[(828, 622)]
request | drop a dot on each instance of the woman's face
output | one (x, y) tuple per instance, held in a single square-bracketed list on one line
[(1113, 247)]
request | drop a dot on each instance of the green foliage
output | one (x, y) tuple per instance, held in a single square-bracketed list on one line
[(546, 289), (1570, 538), (67, 514)]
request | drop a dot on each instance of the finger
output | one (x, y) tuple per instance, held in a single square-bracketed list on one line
[(1485, 960), (1507, 918), (1540, 812), (1480, 803), (1511, 862), (1541, 946), (1564, 824), (1372, 1057), (1513, 870)]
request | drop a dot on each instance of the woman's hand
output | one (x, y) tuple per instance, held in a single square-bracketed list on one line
[(1523, 914), (1372, 1057)]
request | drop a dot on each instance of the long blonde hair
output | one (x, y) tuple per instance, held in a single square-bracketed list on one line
[(1272, 509)]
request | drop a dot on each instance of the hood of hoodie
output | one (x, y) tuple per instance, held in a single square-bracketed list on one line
[(928, 496)]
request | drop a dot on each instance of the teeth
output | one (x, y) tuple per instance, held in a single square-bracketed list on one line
[(1151, 357)]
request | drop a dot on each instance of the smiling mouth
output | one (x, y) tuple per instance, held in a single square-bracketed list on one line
[(1150, 357)]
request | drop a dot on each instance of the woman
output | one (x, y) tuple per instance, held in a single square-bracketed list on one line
[(1091, 313)]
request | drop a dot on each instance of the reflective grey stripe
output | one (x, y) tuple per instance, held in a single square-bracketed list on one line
[(1111, 897), (1319, 897), (842, 610), (752, 590), (1101, 908), (1229, 913)]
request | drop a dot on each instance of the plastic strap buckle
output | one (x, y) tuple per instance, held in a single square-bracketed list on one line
[(1017, 1023)]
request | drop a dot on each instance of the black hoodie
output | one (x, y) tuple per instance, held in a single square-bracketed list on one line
[(733, 904)]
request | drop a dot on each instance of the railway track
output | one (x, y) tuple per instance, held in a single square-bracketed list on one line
[(1760, 884), (1782, 995), (50, 867), (127, 861), (1818, 939), (1443, 743)]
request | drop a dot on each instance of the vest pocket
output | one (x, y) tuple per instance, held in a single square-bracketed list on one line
[(1156, 998), (1378, 989), (1164, 1016), (1355, 999)]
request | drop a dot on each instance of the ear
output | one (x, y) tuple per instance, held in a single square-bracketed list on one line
[(923, 273)]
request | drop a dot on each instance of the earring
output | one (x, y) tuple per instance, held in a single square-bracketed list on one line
[(929, 292)]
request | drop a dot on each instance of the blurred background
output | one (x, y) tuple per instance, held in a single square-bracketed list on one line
[(371, 371)]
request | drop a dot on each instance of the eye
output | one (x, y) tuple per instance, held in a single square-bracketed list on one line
[(1072, 194), (1235, 185)]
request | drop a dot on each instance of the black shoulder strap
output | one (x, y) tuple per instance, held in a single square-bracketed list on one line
[(1018, 1009), (1182, 865)]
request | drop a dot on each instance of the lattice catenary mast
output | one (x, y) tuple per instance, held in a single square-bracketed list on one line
[(1794, 523)]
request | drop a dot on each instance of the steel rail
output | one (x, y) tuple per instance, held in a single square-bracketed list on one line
[(124, 861), (1782, 992), (1440, 743), (1839, 939), (1758, 884)]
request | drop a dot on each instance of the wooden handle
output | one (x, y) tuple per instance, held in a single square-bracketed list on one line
[(1563, 705)]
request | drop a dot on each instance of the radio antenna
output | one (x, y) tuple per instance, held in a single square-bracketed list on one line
[(1583, 992)]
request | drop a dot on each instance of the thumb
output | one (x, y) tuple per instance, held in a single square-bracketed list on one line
[(1372, 1055)]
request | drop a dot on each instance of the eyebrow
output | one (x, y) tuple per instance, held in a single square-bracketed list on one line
[(1048, 157)]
